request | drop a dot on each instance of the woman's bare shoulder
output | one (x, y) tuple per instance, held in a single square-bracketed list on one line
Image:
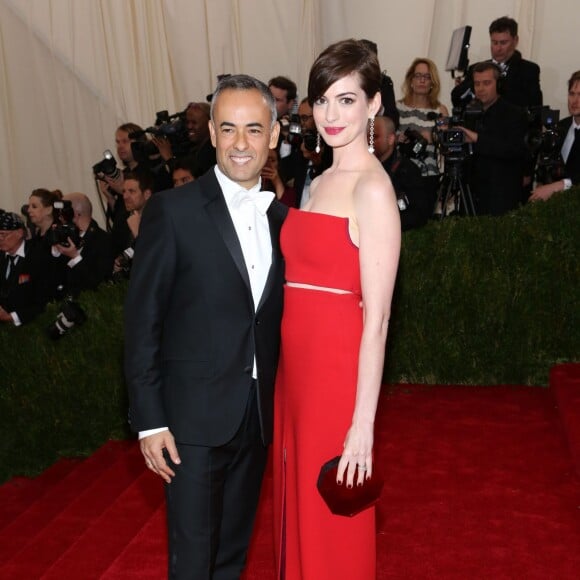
[(374, 182)]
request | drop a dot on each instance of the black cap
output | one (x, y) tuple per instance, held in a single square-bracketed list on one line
[(10, 221)]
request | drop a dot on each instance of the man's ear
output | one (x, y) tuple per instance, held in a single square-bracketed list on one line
[(274, 134), (212, 132), (147, 194)]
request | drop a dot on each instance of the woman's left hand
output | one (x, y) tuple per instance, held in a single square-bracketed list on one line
[(356, 463)]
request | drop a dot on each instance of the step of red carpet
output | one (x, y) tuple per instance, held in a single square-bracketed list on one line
[(41, 512), (108, 535), (145, 557), (565, 384), (47, 544), (18, 493)]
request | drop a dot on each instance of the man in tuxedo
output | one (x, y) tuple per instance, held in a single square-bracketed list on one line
[(23, 273), (496, 169), (203, 312), (569, 145)]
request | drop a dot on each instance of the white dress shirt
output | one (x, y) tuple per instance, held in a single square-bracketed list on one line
[(247, 209)]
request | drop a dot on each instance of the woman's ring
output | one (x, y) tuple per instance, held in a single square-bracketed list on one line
[(362, 467)]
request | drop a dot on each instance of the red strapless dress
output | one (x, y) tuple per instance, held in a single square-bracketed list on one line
[(314, 402)]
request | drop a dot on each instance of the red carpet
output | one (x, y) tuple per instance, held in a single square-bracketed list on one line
[(480, 483)]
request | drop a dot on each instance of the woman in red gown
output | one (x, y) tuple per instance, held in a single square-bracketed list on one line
[(341, 250)]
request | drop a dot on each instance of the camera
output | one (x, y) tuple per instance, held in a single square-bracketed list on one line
[(296, 136), (63, 227), (294, 131), (123, 263), (450, 139), (71, 314), (414, 146), (107, 167), (170, 127), (543, 141)]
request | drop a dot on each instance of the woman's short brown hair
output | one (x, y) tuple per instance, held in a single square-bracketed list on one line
[(340, 60)]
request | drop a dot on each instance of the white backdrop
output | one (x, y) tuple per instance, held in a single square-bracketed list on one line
[(71, 71)]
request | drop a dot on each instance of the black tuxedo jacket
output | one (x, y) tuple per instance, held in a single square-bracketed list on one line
[(572, 171), (520, 85), (25, 290), (191, 331)]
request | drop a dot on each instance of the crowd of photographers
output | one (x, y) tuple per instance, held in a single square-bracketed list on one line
[(499, 148)]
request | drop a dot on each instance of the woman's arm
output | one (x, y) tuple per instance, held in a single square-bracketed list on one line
[(379, 227)]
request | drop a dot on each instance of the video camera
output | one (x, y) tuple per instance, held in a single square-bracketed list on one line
[(170, 127), (448, 136), (543, 140), (63, 227)]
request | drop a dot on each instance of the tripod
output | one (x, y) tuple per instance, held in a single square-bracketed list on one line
[(453, 188)]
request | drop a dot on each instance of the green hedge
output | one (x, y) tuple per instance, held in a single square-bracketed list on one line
[(62, 398), (478, 301), (489, 300)]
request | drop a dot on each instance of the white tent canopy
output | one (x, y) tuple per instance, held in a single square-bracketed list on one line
[(73, 70)]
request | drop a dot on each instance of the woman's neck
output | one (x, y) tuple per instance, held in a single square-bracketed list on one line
[(44, 226), (419, 102)]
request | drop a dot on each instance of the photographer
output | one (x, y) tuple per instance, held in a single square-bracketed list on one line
[(190, 139), (111, 183), (413, 197), (496, 168), (89, 257), (137, 189), (285, 92), (568, 144), (418, 109), (521, 78), (308, 162)]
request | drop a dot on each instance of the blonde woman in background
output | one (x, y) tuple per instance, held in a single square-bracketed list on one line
[(418, 110)]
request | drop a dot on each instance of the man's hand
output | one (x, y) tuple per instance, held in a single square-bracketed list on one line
[(544, 192), (470, 136), (133, 222), (104, 189), (70, 251), (164, 147), (152, 449), (5, 316), (115, 184)]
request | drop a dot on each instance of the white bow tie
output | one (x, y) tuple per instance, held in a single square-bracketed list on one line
[(260, 199)]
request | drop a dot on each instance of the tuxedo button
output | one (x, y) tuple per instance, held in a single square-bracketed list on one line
[(258, 322)]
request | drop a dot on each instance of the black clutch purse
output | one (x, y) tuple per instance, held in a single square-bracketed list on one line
[(343, 501)]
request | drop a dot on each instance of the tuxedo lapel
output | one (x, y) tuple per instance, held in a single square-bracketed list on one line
[(563, 128), (219, 214), (275, 222)]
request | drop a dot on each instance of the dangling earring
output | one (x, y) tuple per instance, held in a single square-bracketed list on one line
[(317, 148), (372, 135)]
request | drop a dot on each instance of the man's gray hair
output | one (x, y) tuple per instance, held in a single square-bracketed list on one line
[(246, 83)]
